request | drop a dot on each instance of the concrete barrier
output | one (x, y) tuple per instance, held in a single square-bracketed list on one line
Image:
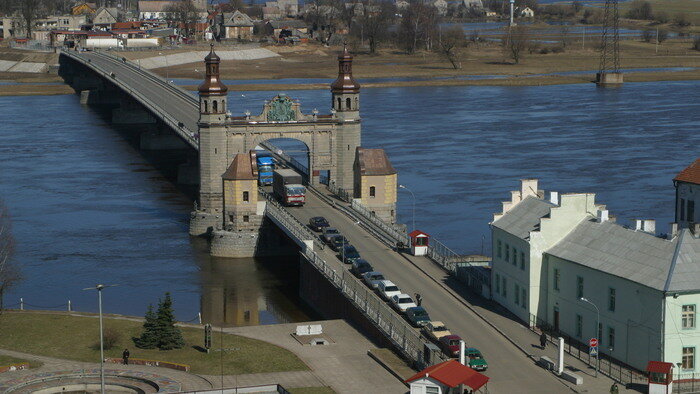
[(546, 363), (152, 363), (572, 377)]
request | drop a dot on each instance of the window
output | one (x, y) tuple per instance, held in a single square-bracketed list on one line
[(691, 210), (505, 287), (523, 297), (611, 337), (682, 209), (372, 191), (246, 196), (215, 106), (522, 260), (600, 334), (498, 284), (611, 299), (246, 218), (579, 287), (515, 256), (579, 326), (499, 248), (432, 390), (340, 103), (688, 358), (348, 103), (556, 279), (507, 252), (517, 294), (206, 107), (688, 317)]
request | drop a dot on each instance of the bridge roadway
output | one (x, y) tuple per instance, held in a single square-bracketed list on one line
[(510, 370)]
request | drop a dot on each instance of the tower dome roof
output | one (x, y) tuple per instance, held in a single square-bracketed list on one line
[(345, 83), (212, 85)]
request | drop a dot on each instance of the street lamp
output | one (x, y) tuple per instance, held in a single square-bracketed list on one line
[(597, 330), (166, 64), (102, 350), (414, 205)]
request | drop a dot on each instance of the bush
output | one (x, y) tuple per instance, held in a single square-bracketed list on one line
[(661, 17), (544, 51), (640, 9), (648, 35), (681, 20), (557, 49), (696, 43), (662, 36), (110, 339)]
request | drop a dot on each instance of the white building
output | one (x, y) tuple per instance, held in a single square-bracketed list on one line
[(548, 255), (687, 184), (527, 12)]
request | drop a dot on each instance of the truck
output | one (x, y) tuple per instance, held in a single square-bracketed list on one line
[(266, 165), (287, 186)]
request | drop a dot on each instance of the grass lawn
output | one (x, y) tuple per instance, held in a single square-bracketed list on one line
[(7, 360), (311, 390), (73, 338)]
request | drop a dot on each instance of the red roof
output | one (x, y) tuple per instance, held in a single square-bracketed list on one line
[(691, 174), (415, 233), (659, 366), (126, 25), (451, 373)]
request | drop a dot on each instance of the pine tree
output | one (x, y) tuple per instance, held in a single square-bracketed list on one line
[(150, 335), (170, 336)]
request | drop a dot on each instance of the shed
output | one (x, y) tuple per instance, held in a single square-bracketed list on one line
[(446, 378), (419, 243), (660, 377)]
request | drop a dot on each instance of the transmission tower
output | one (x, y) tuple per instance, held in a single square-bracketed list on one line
[(609, 71)]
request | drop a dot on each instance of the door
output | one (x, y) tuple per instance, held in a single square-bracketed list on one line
[(556, 319)]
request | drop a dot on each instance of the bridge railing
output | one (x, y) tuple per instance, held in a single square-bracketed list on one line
[(397, 233), (297, 228)]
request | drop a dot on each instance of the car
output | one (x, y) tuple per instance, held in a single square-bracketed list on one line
[(387, 289), (360, 266), (436, 330), (372, 278), (348, 254), (329, 233), (338, 242), (318, 223), (450, 345), (476, 360), (417, 316), (402, 301)]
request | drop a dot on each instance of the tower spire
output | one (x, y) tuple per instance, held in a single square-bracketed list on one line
[(345, 83), (212, 85)]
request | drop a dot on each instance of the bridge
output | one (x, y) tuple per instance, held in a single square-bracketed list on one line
[(239, 221)]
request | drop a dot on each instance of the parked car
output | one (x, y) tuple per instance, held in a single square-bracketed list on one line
[(436, 330), (338, 242), (417, 316), (372, 278), (476, 360), (360, 266), (329, 233), (348, 254), (402, 301), (318, 223), (388, 289), (450, 345)]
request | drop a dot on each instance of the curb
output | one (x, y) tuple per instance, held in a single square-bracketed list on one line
[(386, 366)]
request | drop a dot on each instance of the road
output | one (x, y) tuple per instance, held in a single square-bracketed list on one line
[(509, 369)]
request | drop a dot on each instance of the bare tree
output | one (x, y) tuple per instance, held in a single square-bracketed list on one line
[(9, 272), (183, 14), (450, 40), (419, 23), (30, 11), (373, 23), (515, 42)]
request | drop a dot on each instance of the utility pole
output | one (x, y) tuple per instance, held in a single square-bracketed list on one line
[(102, 350), (609, 70)]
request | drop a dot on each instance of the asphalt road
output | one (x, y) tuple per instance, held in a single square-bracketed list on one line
[(509, 369)]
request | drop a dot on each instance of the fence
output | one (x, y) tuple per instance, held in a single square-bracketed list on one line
[(292, 224), (686, 383)]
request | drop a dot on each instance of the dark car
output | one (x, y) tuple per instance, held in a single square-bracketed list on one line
[(417, 316), (329, 233), (360, 266), (450, 345), (348, 254), (318, 223), (336, 243)]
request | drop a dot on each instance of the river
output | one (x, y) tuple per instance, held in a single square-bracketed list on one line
[(89, 208)]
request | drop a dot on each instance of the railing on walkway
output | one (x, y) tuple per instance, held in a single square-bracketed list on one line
[(292, 224), (395, 232), (686, 382)]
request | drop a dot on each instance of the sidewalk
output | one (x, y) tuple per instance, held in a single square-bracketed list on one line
[(515, 332)]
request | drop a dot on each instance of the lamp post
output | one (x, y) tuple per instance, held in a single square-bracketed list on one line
[(102, 351), (166, 65), (414, 206), (597, 330)]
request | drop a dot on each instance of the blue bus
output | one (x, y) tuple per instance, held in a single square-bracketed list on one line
[(266, 165)]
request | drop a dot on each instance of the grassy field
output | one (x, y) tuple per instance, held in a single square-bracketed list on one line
[(691, 8), (74, 337)]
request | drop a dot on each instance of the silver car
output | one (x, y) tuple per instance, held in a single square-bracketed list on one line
[(372, 278)]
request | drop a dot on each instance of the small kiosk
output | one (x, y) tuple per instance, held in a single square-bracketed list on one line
[(419, 243), (660, 377)]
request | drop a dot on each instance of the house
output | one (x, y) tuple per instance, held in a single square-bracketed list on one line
[(236, 26), (565, 263), (402, 5), (490, 14), (271, 13), (275, 28), (84, 9), (527, 12), (105, 16), (687, 184), (441, 7), (158, 9), (446, 378)]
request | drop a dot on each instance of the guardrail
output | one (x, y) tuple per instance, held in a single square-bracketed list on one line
[(297, 228)]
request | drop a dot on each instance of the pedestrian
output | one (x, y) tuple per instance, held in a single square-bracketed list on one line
[(125, 356), (543, 340), (614, 389), (419, 299)]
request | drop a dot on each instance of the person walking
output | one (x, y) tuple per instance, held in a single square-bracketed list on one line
[(125, 356), (543, 340), (419, 299), (614, 389)]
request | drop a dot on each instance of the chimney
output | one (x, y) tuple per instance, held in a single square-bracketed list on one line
[(650, 226), (603, 215), (695, 228), (638, 224), (554, 198), (528, 187), (674, 231)]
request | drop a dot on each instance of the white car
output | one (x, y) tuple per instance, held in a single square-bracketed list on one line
[(402, 301), (388, 289), (372, 278)]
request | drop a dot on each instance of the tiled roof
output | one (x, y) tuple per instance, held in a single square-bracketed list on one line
[(524, 217), (241, 168), (374, 162), (690, 174), (451, 373)]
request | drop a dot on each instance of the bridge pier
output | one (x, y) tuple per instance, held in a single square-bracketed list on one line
[(264, 241), (188, 173), (81, 82), (203, 222), (99, 97)]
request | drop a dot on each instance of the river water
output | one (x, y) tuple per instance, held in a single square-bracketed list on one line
[(89, 208)]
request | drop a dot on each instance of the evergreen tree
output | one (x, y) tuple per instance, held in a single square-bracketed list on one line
[(169, 336), (150, 335)]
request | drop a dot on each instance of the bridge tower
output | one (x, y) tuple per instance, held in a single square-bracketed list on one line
[(212, 148), (345, 93)]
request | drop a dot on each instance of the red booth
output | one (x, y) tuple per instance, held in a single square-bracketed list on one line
[(660, 377), (419, 243)]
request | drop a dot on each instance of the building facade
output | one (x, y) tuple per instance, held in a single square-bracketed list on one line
[(687, 184)]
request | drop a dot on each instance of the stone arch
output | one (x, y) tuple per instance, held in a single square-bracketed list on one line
[(305, 139)]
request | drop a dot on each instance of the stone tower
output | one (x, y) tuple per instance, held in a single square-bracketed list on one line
[(345, 93), (376, 183), (212, 148)]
